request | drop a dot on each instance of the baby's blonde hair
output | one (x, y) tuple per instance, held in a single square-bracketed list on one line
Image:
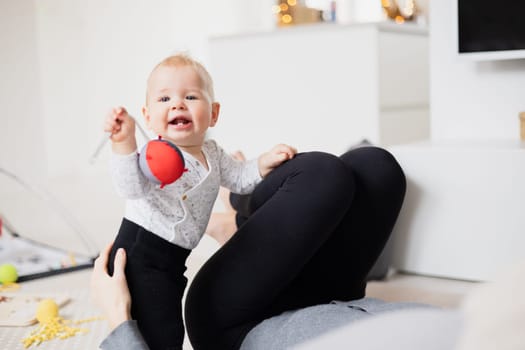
[(185, 60)]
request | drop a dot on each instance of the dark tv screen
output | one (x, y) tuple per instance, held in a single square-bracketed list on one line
[(491, 25)]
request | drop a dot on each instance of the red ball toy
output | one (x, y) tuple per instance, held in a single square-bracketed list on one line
[(161, 162)]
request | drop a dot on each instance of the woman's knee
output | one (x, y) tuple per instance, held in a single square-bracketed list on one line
[(377, 165), (392, 171), (324, 172)]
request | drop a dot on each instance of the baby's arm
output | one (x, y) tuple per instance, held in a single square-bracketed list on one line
[(127, 177), (241, 176), (275, 157), (122, 128)]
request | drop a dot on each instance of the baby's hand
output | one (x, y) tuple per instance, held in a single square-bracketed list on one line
[(122, 128), (119, 124), (275, 157)]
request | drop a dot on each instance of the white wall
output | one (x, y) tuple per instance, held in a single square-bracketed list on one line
[(22, 148), (77, 58), (465, 186), (470, 100), (64, 63), (93, 55)]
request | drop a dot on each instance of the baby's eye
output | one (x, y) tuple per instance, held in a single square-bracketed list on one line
[(191, 97), (164, 99)]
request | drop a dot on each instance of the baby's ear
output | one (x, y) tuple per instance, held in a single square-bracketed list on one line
[(145, 114), (215, 109)]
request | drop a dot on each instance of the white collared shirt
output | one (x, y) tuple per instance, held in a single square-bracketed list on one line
[(179, 212)]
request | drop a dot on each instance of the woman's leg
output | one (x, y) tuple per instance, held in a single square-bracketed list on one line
[(278, 259), (380, 189), (298, 205), (339, 268)]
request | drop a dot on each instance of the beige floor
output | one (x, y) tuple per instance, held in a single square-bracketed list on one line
[(429, 290), (398, 287)]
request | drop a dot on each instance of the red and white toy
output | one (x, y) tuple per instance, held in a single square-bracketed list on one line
[(161, 162)]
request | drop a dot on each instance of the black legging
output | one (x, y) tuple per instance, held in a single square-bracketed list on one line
[(311, 232)]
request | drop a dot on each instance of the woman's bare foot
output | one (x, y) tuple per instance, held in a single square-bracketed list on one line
[(224, 196), (222, 226)]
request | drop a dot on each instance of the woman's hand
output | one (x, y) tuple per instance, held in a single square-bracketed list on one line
[(275, 157), (111, 293)]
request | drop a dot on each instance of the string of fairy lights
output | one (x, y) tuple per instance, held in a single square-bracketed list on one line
[(289, 12)]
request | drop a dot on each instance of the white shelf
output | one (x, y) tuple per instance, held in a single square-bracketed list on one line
[(384, 26), (463, 211), (322, 86)]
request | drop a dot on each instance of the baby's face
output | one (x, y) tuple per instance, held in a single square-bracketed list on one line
[(178, 106)]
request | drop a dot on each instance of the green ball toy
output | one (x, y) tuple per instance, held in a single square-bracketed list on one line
[(8, 273)]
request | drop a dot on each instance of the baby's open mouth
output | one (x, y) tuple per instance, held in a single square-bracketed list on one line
[(180, 121)]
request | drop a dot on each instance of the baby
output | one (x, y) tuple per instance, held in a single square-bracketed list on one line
[(162, 225)]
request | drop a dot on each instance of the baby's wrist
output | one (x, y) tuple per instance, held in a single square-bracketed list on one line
[(260, 166), (124, 147), (263, 171)]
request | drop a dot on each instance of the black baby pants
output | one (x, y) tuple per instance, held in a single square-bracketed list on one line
[(154, 271)]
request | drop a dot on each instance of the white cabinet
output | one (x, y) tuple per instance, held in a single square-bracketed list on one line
[(322, 86), (463, 211)]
